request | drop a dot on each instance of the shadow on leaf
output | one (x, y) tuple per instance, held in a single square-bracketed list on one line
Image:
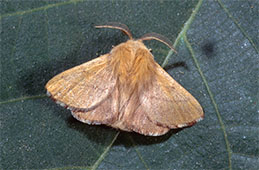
[(128, 139), (175, 65), (208, 48), (33, 80)]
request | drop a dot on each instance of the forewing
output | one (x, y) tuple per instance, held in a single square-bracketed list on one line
[(168, 104), (83, 86), (104, 113)]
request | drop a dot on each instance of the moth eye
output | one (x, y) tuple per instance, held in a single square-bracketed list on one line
[(150, 50)]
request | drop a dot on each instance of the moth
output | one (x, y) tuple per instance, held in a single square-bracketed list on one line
[(126, 89)]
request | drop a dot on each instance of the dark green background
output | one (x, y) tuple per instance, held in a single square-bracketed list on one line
[(217, 61)]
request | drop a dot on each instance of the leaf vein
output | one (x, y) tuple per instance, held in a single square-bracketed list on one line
[(103, 155), (183, 31), (23, 98), (39, 8), (213, 102), (238, 25), (138, 153)]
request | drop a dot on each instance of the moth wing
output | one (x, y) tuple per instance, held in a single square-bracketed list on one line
[(140, 122), (83, 86), (104, 113), (168, 104), (135, 118)]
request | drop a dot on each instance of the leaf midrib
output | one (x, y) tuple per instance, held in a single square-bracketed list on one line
[(40, 8)]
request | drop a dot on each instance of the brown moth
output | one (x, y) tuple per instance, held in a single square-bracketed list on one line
[(126, 89)]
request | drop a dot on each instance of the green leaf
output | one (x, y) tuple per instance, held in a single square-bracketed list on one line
[(217, 62)]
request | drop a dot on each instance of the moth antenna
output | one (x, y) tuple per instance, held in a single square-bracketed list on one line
[(158, 37), (117, 25)]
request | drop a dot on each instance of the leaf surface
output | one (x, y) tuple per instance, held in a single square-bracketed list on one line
[(217, 62)]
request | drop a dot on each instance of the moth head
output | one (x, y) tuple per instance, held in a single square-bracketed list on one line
[(149, 36)]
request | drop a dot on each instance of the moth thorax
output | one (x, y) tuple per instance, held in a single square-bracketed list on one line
[(132, 63)]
